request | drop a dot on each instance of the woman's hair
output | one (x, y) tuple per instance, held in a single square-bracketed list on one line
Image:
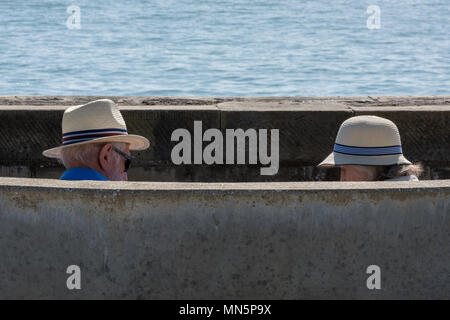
[(395, 171)]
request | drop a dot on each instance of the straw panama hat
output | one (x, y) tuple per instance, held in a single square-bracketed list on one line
[(366, 140), (96, 121)]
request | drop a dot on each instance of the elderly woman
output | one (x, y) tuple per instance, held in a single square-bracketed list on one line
[(368, 148)]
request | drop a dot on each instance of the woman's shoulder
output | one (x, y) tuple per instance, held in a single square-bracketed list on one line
[(404, 178)]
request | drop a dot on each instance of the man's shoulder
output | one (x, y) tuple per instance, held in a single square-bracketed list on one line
[(82, 174)]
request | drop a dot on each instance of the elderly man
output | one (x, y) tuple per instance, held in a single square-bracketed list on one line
[(95, 143)]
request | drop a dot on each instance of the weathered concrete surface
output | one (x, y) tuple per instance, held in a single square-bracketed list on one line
[(223, 241), (308, 126)]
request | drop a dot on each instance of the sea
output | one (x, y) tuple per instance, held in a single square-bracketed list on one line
[(225, 47)]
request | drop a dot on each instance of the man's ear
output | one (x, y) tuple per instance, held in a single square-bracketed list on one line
[(105, 157)]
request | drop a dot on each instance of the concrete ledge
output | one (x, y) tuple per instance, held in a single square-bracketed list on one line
[(308, 126), (136, 187), (219, 241)]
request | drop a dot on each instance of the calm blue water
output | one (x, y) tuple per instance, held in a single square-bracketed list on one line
[(224, 48)]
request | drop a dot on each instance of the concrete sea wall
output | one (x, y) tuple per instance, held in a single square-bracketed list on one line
[(272, 240), (308, 126)]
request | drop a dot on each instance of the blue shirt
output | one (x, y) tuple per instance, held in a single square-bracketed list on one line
[(82, 174)]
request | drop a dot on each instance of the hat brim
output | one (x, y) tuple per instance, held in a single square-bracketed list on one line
[(136, 142), (335, 159)]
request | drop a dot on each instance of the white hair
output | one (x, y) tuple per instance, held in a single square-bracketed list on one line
[(396, 171), (380, 173), (83, 155)]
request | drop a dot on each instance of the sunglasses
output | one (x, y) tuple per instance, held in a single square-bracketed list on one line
[(126, 156)]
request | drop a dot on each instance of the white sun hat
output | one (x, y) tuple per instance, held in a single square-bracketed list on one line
[(97, 121), (366, 140)]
